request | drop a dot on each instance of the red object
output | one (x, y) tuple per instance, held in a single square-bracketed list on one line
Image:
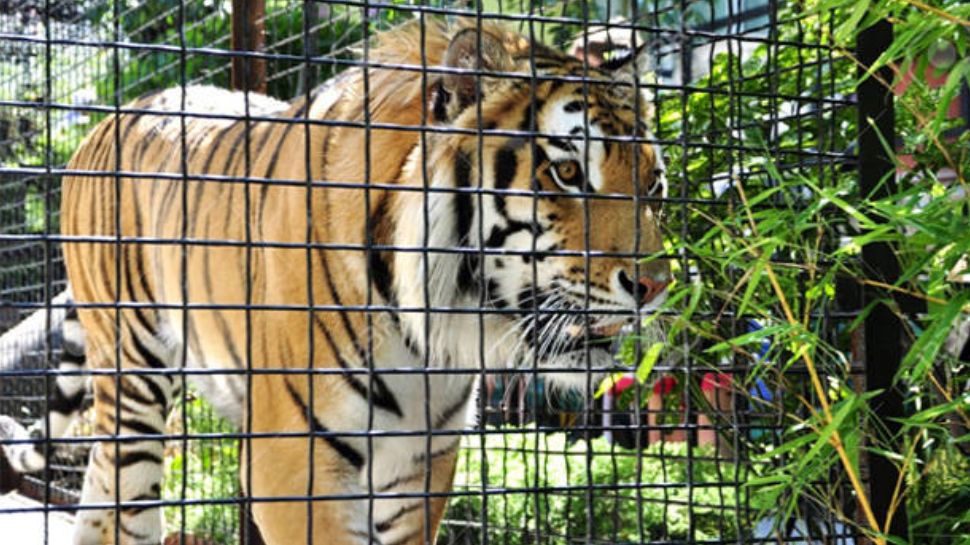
[(935, 76), (714, 381), (664, 385), (621, 385)]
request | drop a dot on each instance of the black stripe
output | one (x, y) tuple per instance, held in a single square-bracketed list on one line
[(107, 397), (133, 457), (129, 254), (270, 168), (69, 357), (506, 165), (352, 381), (133, 510), (221, 323), (564, 145), (236, 144), (160, 399), (496, 238), (138, 153), (337, 301), (491, 295), (199, 189), (388, 523), (275, 156), (195, 347), (381, 276), (131, 390), (216, 144), (528, 123), (220, 319), (131, 533), (62, 403), (348, 452), (386, 487), (464, 211), (423, 457), (140, 427), (451, 410), (382, 279), (132, 393), (151, 359), (382, 396), (267, 128), (574, 106)]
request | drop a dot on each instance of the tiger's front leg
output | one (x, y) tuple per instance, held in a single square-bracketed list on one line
[(124, 474), (301, 484), (404, 503)]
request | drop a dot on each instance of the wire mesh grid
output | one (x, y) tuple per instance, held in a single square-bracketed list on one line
[(223, 257)]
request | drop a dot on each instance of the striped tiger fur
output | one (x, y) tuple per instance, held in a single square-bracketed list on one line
[(30, 338), (213, 214)]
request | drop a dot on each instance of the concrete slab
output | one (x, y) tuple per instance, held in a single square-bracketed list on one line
[(25, 526)]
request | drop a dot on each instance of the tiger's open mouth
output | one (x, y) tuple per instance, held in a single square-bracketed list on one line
[(555, 326), (577, 338)]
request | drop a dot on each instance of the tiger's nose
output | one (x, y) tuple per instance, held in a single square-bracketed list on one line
[(645, 289)]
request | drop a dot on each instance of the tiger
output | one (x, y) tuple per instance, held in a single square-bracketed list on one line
[(352, 260)]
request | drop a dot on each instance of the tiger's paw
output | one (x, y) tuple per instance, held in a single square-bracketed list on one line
[(21, 456)]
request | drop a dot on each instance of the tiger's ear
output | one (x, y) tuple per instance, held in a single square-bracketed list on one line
[(631, 68), (471, 50), (626, 62)]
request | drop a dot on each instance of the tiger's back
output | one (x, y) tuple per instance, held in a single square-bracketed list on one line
[(138, 217)]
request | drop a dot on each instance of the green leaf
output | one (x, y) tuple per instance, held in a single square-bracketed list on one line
[(648, 361), (749, 338), (842, 411), (923, 353)]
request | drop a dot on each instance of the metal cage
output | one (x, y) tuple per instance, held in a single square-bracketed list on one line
[(736, 92)]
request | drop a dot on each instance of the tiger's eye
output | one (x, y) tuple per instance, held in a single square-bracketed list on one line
[(567, 170)]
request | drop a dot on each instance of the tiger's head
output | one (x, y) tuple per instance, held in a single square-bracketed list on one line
[(544, 197)]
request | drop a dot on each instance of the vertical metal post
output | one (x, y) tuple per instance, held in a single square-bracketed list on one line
[(883, 329), (248, 74), (248, 34)]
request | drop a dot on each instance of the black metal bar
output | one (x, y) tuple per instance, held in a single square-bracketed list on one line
[(883, 328)]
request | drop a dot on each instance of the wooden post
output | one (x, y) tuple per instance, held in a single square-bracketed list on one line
[(248, 34)]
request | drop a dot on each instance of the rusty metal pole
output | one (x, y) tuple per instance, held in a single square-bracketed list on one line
[(249, 35)]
